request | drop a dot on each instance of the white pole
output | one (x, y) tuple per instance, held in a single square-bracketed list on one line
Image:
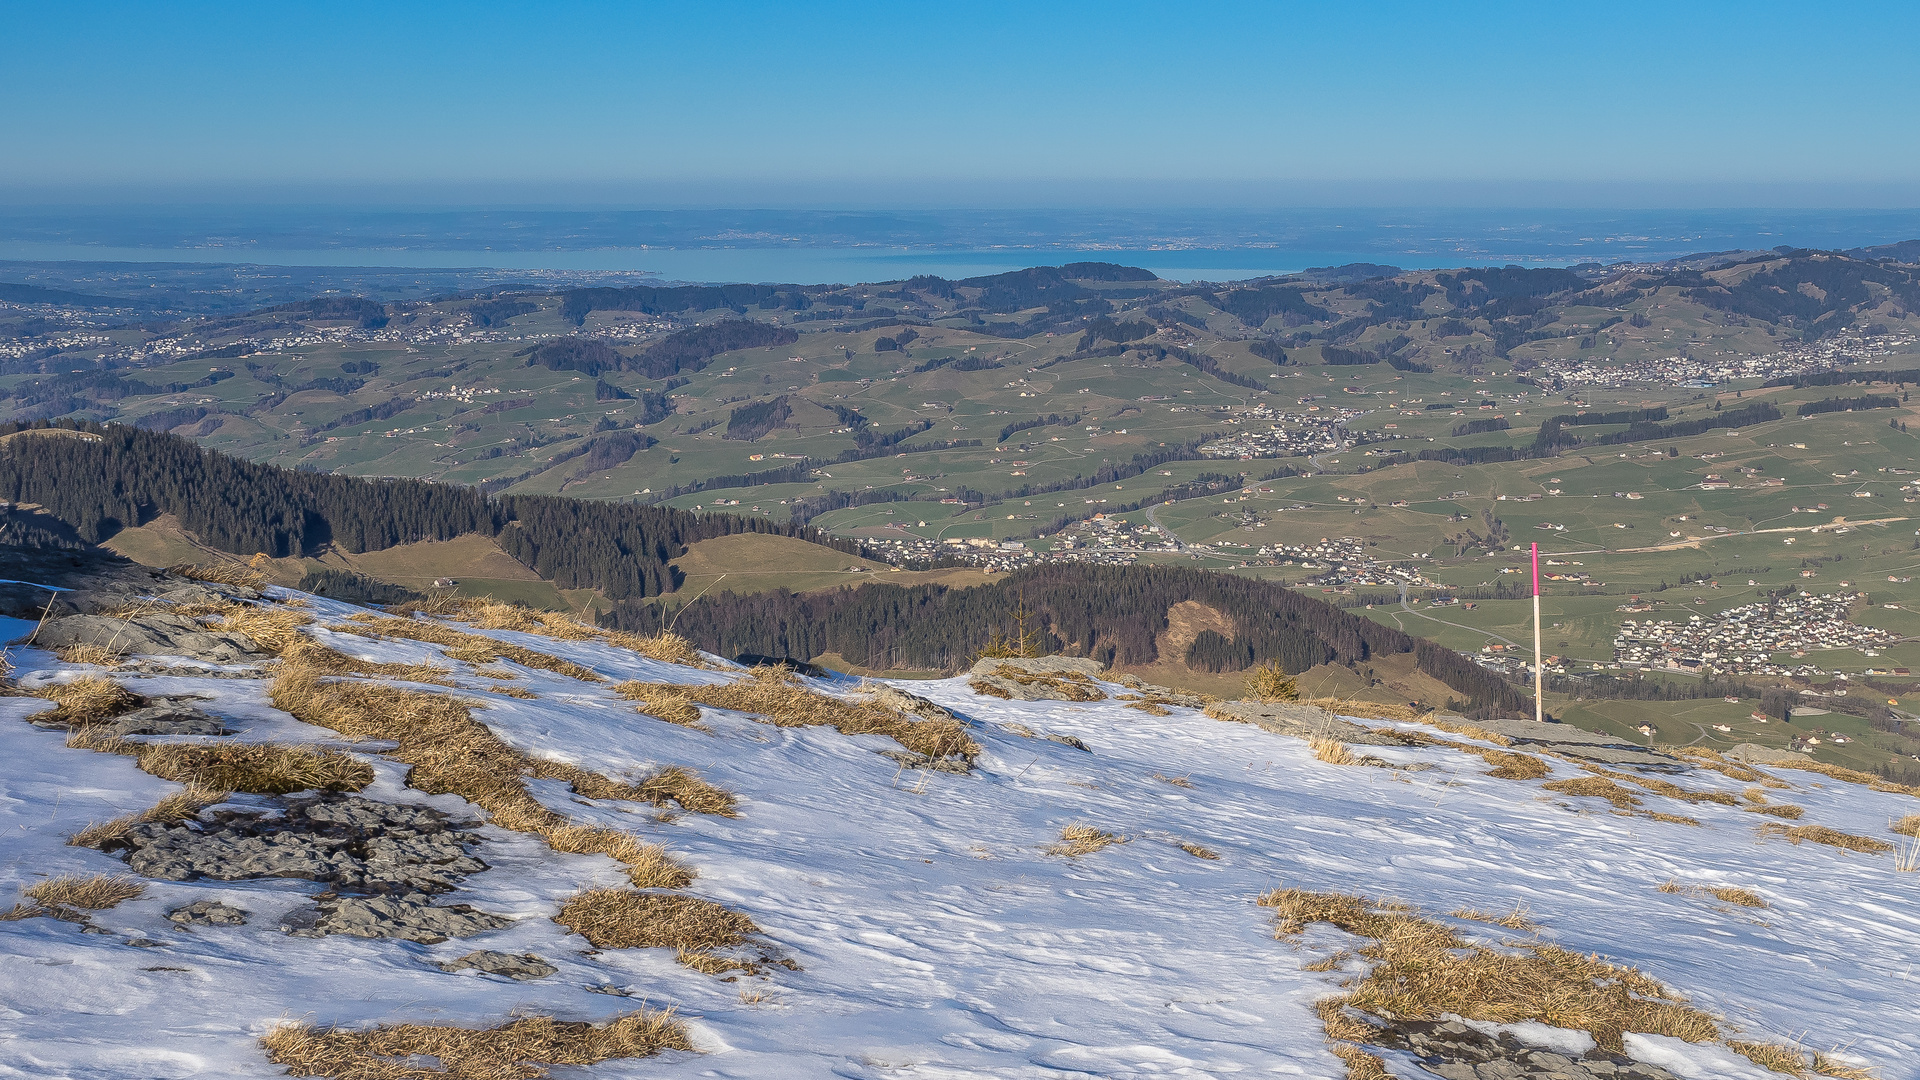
[(1539, 666)]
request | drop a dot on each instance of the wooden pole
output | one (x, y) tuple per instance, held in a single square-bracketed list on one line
[(1539, 666)]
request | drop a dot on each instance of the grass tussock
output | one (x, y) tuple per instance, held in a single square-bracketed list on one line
[(511, 691), (1851, 776), (88, 700), (1511, 766), (625, 919), (1518, 919), (97, 655), (272, 627), (712, 963), (1270, 682), (1711, 759), (1820, 834), (313, 656), (256, 768), (1077, 840), (662, 701), (519, 1050), (236, 574), (1907, 826), (1779, 810), (666, 646), (468, 648), (1332, 751), (87, 892), (1728, 894), (451, 752), (177, 807), (1664, 787), (1198, 851), (772, 693), (1595, 787), (647, 866), (1674, 819), (684, 786), (1176, 781), (1422, 969)]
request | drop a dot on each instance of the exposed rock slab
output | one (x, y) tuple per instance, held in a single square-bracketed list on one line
[(1755, 754), (208, 913), (909, 704), (1040, 678), (1299, 721), (411, 916), (167, 716), (523, 967), (1458, 1052), (157, 634)]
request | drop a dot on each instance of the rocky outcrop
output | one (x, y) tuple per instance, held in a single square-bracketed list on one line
[(892, 697), (157, 634), (1457, 1052), (1574, 742), (1754, 754), (165, 716), (208, 913), (523, 967), (1299, 721), (410, 916), (1040, 678)]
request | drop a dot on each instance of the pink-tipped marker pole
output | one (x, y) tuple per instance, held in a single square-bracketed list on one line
[(1539, 667)]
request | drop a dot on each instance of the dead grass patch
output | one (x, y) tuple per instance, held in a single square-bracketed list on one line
[(666, 646), (1077, 840), (310, 654), (1422, 969), (512, 691), (451, 752), (1907, 826), (1176, 781), (1270, 682), (1664, 787), (468, 648), (1511, 766), (1673, 819), (1365, 710), (236, 574), (625, 919), (1069, 685), (271, 627), (647, 866), (1711, 759), (98, 655), (1517, 919), (519, 1050), (1595, 787), (177, 807), (88, 892), (1198, 851), (1779, 810), (774, 694), (1729, 894), (1820, 834), (90, 699), (711, 963), (684, 786), (1471, 731), (1332, 751), (662, 701), (256, 768)]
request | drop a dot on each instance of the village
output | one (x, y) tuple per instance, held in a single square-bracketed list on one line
[(1745, 640), (1850, 347)]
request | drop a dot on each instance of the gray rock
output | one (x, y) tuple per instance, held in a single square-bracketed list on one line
[(1069, 740), (349, 842), (1454, 1050), (410, 916), (523, 967), (157, 634), (165, 717), (1299, 721), (900, 701), (1575, 742), (208, 913), (1041, 678), (1754, 754), (908, 759)]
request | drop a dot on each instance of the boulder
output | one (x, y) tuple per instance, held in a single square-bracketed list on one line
[(1039, 678), (168, 716), (157, 634), (523, 967), (892, 697)]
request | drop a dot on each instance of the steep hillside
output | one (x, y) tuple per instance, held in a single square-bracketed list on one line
[(473, 843)]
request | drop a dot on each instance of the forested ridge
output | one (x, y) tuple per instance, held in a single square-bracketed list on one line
[(109, 477), (1113, 614)]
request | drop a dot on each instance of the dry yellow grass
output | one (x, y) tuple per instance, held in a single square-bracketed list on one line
[(662, 701), (1820, 834), (666, 646), (1907, 826), (1779, 810), (87, 700), (1851, 776), (1517, 919), (1069, 685), (449, 751), (625, 919), (519, 1050), (1471, 731), (258, 768), (1711, 759), (221, 573), (773, 694), (711, 963), (90, 892), (1077, 840), (1422, 969), (1673, 819), (1176, 781), (99, 655), (1596, 787), (1664, 787), (1742, 897), (1270, 682), (1332, 751), (1511, 766), (511, 691), (467, 648), (684, 786), (1198, 851), (271, 627), (179, 806), (647, 866)]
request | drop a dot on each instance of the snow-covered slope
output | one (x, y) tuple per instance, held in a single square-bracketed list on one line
[(934, 933)]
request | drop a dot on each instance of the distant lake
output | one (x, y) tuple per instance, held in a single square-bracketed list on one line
[(817, 246)]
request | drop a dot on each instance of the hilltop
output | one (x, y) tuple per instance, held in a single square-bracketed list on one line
[(472, 839)]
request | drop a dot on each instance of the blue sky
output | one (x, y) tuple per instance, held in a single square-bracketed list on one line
[(961, 103)]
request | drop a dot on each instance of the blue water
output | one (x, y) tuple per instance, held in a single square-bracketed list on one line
[(839, 246)]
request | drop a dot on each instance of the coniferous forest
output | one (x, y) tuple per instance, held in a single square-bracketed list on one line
[(101, 478), (1111, 613)]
